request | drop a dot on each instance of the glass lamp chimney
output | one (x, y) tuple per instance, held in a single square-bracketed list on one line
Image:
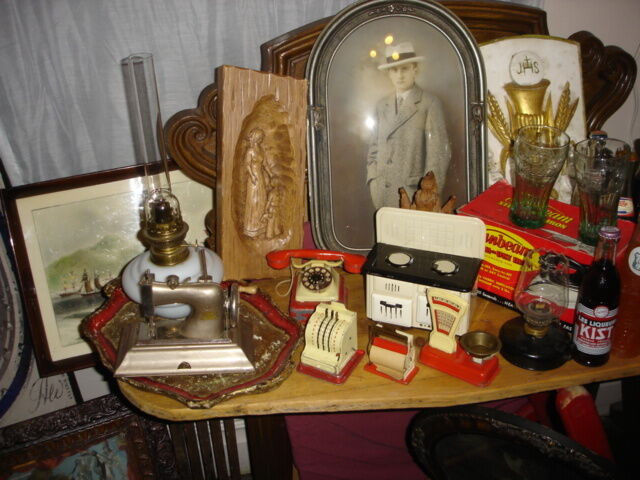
[(163, 227)]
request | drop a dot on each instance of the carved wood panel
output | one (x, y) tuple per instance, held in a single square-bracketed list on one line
[(191, 138), (260, 176)]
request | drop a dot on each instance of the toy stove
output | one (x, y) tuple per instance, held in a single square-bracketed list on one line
[(418, 251)]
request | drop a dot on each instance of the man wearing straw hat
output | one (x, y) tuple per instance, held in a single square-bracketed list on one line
[(410, 136)]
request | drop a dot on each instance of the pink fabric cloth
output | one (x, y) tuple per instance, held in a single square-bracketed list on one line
[(361, 445), (372, 446)]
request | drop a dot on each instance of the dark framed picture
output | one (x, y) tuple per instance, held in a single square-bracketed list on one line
[(14, 340), (101, 438), (396, 90), (70, 237)]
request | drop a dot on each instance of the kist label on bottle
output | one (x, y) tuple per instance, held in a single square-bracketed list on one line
[(592, 329)]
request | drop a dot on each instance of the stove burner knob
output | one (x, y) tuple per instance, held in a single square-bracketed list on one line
[(444, 267), (400, 259)]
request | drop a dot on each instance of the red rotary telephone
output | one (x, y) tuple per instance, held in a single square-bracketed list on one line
[(316, 279)]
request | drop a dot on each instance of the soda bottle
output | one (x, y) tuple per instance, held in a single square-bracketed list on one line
[(626, 334), (597, 305)]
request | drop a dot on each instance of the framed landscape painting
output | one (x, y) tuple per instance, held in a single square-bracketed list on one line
[(73, 235)]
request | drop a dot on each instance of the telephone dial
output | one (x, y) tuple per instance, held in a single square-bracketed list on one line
[(315, 278)]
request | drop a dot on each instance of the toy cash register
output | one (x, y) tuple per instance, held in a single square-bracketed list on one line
[(331, 338)]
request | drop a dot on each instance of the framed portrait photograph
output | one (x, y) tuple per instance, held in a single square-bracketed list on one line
[(73, 235), (396, 90), (101, 438)]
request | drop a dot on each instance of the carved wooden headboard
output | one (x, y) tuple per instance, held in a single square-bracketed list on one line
[(608, 76)]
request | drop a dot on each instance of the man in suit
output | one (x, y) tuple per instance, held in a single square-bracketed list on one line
[(410, 136)]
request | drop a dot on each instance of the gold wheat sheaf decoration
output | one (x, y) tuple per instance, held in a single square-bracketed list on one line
[(505, 130)]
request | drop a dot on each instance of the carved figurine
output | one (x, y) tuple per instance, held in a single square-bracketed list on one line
[(426, 197), (256, 193), (271, 215)]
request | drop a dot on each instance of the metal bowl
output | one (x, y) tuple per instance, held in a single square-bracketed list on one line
[(480, 344)]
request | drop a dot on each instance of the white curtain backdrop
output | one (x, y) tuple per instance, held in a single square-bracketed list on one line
[(62, 103)]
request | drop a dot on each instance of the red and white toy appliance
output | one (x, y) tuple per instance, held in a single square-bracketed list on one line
[(392, 353), (331, 343), (415, 252)]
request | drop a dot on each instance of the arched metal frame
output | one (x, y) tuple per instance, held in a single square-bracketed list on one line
[(320, 152)]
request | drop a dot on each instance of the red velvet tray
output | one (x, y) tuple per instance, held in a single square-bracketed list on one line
[(280, 337)]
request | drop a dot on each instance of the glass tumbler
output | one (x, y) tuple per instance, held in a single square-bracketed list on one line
[(539, 153), (601, 169)]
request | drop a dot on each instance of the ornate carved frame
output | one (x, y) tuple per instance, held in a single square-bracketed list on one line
[(75, 429), (334, 133), (435, 432)]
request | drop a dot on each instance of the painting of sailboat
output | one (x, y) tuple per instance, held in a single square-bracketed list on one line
[(76, 240), (76, 280)]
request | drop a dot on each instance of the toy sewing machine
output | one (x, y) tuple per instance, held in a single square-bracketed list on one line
[(314, 278), (212, 339), (331, 343)]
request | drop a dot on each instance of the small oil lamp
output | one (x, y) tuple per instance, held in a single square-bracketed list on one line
[(163, 229), (535, 340)]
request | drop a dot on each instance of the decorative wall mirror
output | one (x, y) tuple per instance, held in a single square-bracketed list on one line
[(395, 89)]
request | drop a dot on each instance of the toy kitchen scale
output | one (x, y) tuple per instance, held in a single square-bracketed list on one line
[(421, 273)]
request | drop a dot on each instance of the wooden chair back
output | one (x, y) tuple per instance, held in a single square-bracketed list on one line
[(609, 74)]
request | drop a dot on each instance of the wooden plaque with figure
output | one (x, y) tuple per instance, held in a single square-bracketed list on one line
[(260, 198)]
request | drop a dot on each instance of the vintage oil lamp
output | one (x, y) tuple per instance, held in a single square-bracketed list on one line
[(172, 280), (535, 340)]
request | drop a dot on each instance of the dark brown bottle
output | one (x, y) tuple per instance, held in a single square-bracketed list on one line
[(597, 306)]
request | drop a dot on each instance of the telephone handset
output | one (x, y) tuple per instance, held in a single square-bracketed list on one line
[(317, 279)]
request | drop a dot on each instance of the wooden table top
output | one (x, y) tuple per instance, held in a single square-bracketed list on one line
[(366, 391)]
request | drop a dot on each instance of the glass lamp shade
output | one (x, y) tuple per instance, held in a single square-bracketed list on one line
[(161, 207), (146, 121), (541, 293), (188, 269), (536, 341)]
